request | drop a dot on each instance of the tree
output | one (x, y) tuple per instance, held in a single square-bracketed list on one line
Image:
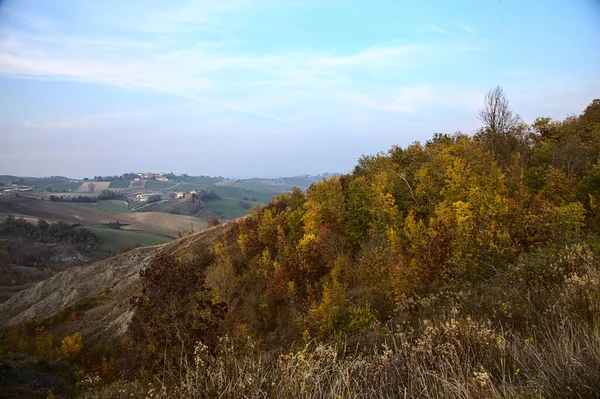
[(496, 113), (107, 194), (504, 133), (154, 198), (91, 187)]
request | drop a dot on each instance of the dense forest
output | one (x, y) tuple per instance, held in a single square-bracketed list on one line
[(466, 266), (477, 250)]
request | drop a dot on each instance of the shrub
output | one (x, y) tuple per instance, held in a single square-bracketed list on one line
[(71, 346)]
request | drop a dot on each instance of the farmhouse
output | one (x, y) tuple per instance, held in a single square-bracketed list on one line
[(13, 188)]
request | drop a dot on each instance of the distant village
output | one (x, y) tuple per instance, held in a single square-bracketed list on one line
[(98, 186)]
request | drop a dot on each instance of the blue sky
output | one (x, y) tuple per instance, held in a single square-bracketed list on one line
[(245, 88)]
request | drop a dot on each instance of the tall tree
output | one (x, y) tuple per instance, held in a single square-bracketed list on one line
[(496, 113), (504, 133)]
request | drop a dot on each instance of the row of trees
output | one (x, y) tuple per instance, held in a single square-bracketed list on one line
[(61, 232), (124, 176), (104, 195)]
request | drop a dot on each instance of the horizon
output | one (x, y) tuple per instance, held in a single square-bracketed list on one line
[(273, 89)]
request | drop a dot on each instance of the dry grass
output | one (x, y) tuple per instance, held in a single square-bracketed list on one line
[(455, 353)]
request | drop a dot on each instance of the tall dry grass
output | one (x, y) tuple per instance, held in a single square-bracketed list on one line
[(505, 339)]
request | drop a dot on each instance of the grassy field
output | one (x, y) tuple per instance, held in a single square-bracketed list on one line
[(229, 208), (159, 185), (115, 240), (239, 193), (162, 206), (60, 187), (119, 184), (110, 207), (195, 180), (188, 186)]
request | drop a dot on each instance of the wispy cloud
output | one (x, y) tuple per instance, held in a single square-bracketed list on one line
[(154, 51), (437, 29)]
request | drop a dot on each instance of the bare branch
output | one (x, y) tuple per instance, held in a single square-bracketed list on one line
[(496, 114)]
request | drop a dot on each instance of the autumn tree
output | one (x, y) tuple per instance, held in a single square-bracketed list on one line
[(502, 133)]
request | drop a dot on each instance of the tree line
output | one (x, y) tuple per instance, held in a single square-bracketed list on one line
[(44, 232)]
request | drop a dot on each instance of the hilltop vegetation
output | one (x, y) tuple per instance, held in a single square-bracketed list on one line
[(475, 251), (45, 232), (467, 266)]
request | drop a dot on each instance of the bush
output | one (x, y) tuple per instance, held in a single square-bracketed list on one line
[(71, 346)]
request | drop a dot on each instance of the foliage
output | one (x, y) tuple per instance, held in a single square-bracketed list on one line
[(461, 267), (444, 215), (108, 194), (154, 198), (71, 346), (60, 232), (174, 308), (79, 199)]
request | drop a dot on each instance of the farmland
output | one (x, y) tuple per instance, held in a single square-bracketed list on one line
[(159, 185), (107, 207), (228, 207), (114, 240), (62, 187), (119, 184), (102, 213)]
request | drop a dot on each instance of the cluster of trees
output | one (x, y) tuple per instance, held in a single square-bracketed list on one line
[(78, 199), (61, 232), (409, 222), (104, 195), (154, 198)]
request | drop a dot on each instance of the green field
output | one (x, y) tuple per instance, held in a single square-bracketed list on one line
[(159, 185), (30, 181), (229, 208), (239, 193), (63, 187), (119, 184), (115, 240), (195, 180), (107, 207), (188, 186)]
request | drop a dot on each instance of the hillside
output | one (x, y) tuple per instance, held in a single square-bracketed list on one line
[(467, 266), (154, 222), (108, 283)]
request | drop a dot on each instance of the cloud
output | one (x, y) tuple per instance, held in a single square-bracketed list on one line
[(151, 49), (437, 29)]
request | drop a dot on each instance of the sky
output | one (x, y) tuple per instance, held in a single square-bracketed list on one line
[(267, 88)]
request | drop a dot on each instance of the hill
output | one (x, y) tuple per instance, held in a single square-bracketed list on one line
[(109, 284), (468, 266), (95, 215)]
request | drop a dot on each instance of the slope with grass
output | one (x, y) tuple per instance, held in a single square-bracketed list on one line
[(122, 184), (463, 267), (229, 208), (102, 213), (111, 282), (116, 240)]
